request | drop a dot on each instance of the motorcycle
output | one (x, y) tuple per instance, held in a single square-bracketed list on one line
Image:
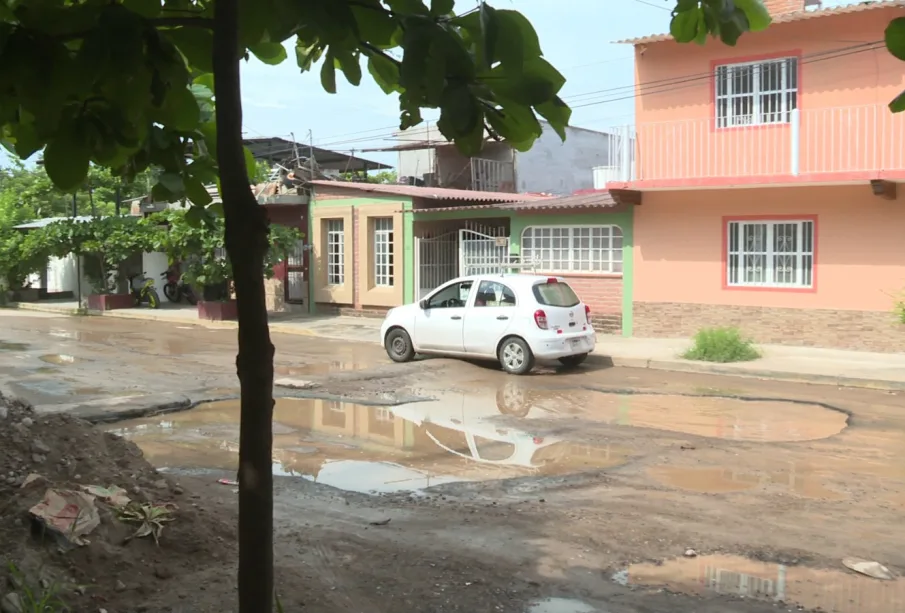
[(174, 288), (142, 289)]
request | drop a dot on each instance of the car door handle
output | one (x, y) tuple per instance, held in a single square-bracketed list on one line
[(456, 317), (502, 317)]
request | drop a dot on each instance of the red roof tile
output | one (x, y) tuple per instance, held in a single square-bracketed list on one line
[(432, 193)]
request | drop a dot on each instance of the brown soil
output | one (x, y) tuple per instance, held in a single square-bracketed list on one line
[(111, 572)]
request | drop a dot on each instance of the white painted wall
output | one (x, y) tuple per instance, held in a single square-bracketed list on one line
[(561, 168), (154, 264), (62, 275)]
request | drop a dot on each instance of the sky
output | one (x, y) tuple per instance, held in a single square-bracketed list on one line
[(578, 40)]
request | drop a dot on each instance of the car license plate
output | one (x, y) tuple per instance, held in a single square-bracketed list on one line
[(576, 342)]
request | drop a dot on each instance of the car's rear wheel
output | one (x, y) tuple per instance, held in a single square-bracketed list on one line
[(515, 356), (399, 345), (573, 361)]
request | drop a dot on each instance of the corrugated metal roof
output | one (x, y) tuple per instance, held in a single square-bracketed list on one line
[(594, 200), (788, 18), (448, 209), (432, 193), (43, 223)]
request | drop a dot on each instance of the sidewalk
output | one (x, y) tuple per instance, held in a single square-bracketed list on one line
[(804, 364)]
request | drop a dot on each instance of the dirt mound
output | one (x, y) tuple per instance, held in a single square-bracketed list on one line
[(113, 570)]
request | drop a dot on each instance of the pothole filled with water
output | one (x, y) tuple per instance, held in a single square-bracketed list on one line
[(716, 417), (812, 589), (563, 605), (369, 449), (59, 359)]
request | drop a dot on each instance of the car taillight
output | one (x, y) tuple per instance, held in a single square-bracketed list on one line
[(540, 318), (587, 313), (538, 440), (552, 280)]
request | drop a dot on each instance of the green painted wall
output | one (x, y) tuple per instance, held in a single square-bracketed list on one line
[(625, 220)]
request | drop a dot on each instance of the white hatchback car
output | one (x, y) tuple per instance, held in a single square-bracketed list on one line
[(515, 318)]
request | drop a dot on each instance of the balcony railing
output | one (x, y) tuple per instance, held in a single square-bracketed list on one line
[(814, 142)]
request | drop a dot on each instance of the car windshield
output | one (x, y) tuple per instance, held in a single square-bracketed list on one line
[(556, 294)]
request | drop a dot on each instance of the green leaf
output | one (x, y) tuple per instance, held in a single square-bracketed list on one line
[(490, 30), (895, 37), (536, 83), (180, 110), (307, 55), (195, 218), (684, 25), (898, 103), (733, 28), (557, 113), (459, 112), (407, 7), (269, 53), (146, 8), (250, 164), (517, 124), (441, 8), (328, 73), (172, 181), (520, 36), (757, 14), (254, 16), (196, 44), (206, 79), (350, 63), (384, 71), (66, 160), (196, 192)]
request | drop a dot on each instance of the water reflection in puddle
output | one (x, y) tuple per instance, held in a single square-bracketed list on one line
[(812, 589), (709, 416), (715, 480), (367, 448), (563, 605), (322, 368), (59, 359)]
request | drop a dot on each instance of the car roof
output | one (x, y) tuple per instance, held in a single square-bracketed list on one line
[(511, 278)]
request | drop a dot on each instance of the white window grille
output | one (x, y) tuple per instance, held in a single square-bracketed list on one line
[(563, 249), (336, 252), (383, 252), (770, 254), (756, 93)]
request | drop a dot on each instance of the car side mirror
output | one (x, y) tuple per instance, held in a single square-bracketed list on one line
[(423, 303)]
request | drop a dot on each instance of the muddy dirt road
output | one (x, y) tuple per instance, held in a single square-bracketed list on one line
[(557, 492)]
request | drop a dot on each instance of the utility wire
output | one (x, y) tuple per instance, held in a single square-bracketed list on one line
[(628, 92)]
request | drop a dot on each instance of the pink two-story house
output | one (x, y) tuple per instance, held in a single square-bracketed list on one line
[(769, 175)]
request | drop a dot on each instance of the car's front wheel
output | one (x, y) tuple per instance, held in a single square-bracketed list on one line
[(515, 356), (399, 345), (573, 361)]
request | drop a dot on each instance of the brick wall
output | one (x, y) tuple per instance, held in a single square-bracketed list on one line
[(327, 308), (778, 7), (604, 296), (859, 330)]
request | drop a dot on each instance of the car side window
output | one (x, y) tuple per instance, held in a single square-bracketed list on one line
[(494, 294), (452, 296)]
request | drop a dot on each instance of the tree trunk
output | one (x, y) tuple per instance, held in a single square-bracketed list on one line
[(246, 245)]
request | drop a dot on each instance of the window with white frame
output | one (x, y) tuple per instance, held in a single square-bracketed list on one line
[(336, 252), (383, 252), (756, 93), (770, 253), (589, 249)]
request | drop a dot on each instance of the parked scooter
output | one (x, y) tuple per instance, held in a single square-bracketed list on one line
[(175, 289), (142, 289)]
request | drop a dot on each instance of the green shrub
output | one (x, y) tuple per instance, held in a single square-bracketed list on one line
[(721, 345), (899, 309)]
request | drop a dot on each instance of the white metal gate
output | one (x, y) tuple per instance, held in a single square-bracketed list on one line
[(436, 262), (482, 254)]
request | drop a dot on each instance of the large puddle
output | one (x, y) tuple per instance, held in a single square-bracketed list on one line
[(709, 416), (811, 589), (370, 449), (563, 605)]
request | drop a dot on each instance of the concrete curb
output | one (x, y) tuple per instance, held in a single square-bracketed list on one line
[(750, 373)]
